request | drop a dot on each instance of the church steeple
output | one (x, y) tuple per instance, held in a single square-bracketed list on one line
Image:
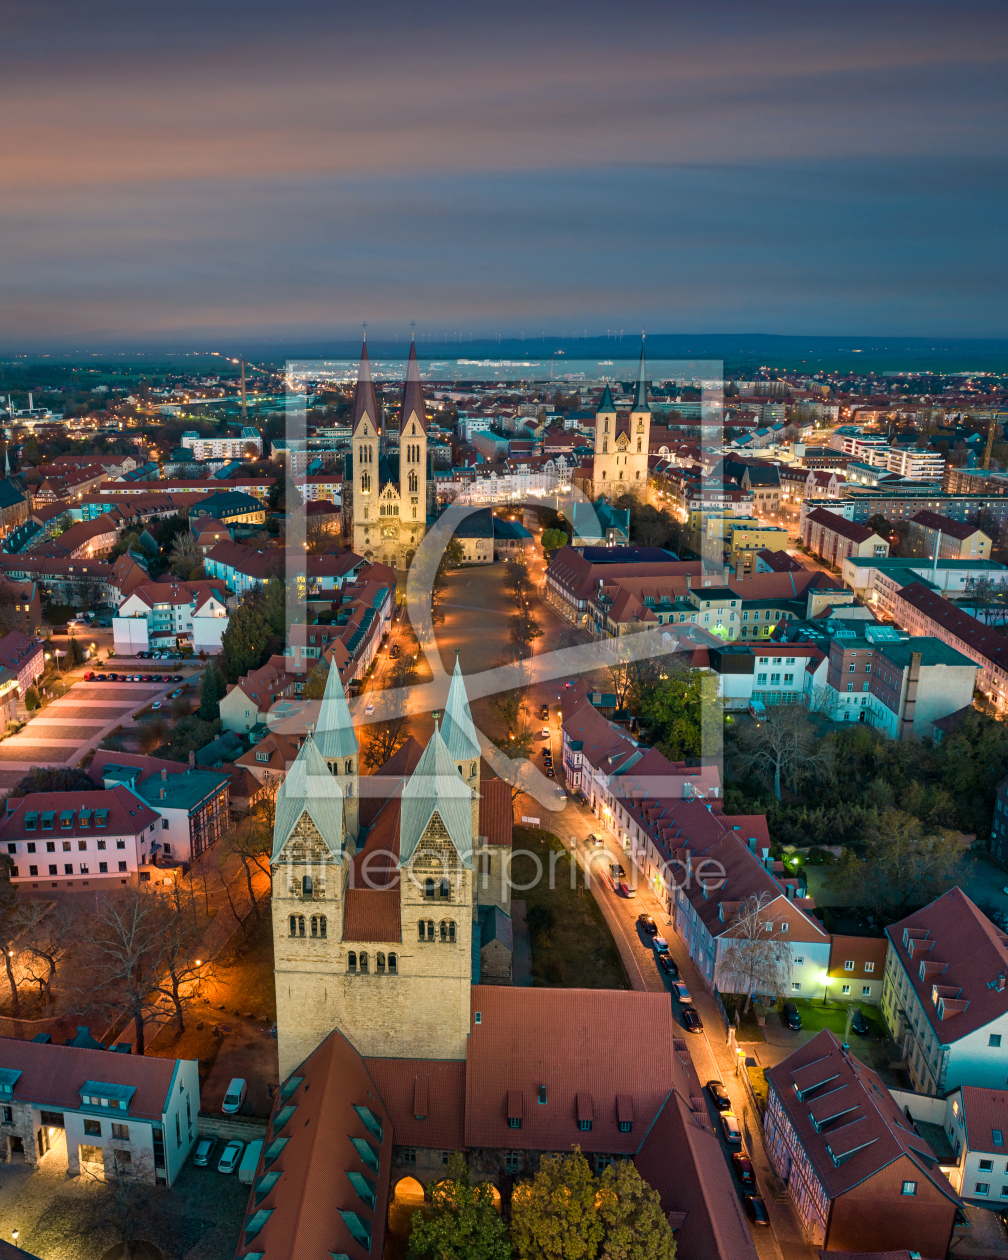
[(338, 747), (413, 410), (457, 730), (606, 403), (640, 402), (365, 402)]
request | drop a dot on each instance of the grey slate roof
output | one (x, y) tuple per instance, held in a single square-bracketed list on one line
[(364, 395), (413, 399), (335, 734), (457, 729), (640, 402), (309, 787), (436, 787)]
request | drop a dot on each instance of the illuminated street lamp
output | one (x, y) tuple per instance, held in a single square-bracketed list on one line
[(825, 977)]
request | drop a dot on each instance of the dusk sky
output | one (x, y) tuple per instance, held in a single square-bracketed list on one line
[(190, 171)]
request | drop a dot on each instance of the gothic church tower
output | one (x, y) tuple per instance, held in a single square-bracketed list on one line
[(412, 461), (338, 747), (620, 464), (364, 461)]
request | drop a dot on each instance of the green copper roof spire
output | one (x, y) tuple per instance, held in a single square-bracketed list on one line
[(605, 403), (335, 734), (457, 729)]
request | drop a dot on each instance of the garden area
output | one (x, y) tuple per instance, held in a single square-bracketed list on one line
[(572, 946)]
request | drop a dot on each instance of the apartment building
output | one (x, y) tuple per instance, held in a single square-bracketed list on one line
[(876, 581), (247, 442), (24, 656), (916, 683), (933, 534), (857, 968), (944, 996), (923, 612), (164, 615), (859, 1176), (249, 700), (77, 1109), (916, 465), (575, 574), (834, 539)]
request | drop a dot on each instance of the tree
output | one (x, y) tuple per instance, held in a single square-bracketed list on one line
[(525, 629), (680, 710), (315, 684), (388, 732), (46, 931), (243, 642), (185, 555), (252, 843), (516, 580), (127, 947), (755, 960), (152, 734), (553, 540), (464, 1224), (8, 928), (454, 555), (981, 593), (781, 748), (31, 699), (565, 1213), (179, 977), (209, 709), (906, 864), (55, 779)]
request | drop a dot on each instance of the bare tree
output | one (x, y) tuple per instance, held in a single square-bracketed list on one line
[(183, 970), (758, 957), (46, 932), (781, 748), (128, 1182), (8, 928), (822, 701), (388, 733), (981, 594), (252, 844), (630, 679), (128, 953)]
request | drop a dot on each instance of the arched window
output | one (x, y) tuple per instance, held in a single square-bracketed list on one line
[(351, 961), (349, 766), (300, 925), (314, 926), (451, 933), (605, 445), (383, 509), (444, 930), (413, 483), (322, 926), (607, 426), (430, 929), (363, 962), (422, 929), (293, 925), (414, 428), (428, 887), (638, 445), (603, 474), (306, 886), (380, 963), (445, 888), (637, 478), (392, 964)]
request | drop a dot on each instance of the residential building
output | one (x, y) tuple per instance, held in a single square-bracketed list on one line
[(916, 465), (575, 574), (932, 534), (160, 615), (69, 840), (923, 612), (743, 540), (860, 1178), (230, 507), (24, 656), (89, 538), (944, 998), (877, 581), (857, 968), (192, 803), (976, 1121), (247, 443), (26, 601), (81, 585), (249, 700), (271, 758), (241, 568), (833, 539), (258, 487), (89, 1110), (916, 682)]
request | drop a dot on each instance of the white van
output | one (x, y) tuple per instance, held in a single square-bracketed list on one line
[(235, 1096)]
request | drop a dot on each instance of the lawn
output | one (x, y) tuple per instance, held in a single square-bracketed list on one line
[(748, 1028), (815, 1017), (579, 951)]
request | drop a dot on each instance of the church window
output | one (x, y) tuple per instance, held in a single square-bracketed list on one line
[(638, 445), (363, 962), (413, 483), (422, 930), (322, 926), (392, 964), (306, 886), (448, 931), (430, 929), (414, 429), (349, 766), (300, 925), (414, 513), (351, 961), (314, 925), (637, 478), (621, 475), (603, 474), (428, 887), (605, 445), (607, 426), (380, 963), (445, 890), (293, 925)]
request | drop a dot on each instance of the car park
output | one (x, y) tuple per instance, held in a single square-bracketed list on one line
[(647, 924), (755, 1209), (719, 1095), (682, 994), (691, 1020), (231, 1157), (744, 1168), (730, 1128), (668, 965), (859, 1024), (627, 890), (204, 1152), (234, 1097)]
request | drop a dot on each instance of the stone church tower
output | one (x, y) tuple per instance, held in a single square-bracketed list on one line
[(620, 464), (376, 938), (389, 493)]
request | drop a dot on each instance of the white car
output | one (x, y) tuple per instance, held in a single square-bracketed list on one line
[(730, 1128), (682, 993), (545, 732), (234, 1097), (231, 1157)]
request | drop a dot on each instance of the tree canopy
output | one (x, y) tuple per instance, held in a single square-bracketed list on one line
[(464, 1224), (243, 642)]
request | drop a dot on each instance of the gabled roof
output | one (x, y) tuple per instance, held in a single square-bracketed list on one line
[(413, 399), (436, 787), (335, 733), (496, 812), (457, 729), (364, 395), (309, 787)]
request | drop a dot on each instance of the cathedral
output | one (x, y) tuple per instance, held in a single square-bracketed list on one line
[(388, 492), (620, 463)]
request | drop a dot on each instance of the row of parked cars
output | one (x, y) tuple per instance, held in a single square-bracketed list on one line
[(90, 676), (668, 966)]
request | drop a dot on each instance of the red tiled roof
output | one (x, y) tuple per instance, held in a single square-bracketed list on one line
[(983, 640), (52, 1075), (984, 1110), (496, 814), (436, 1084), (835, 522), (954, 529), (376, 789), (372, 915), (971, 954), (127, 814)]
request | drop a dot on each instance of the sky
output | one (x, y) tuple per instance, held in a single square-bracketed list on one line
[(188, 172)]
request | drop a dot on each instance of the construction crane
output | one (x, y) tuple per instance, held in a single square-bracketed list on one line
[(990, 442)]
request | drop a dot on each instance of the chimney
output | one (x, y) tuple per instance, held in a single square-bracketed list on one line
[(1001, 982), (162, 793), (164, 777), (192, 757)]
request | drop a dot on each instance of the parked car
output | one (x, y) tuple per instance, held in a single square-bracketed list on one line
[(660, 945), (101, 678), (235, 1096), (647, 924), (730, 1128), (545, 732), (176, 693), (250, 1162), (231, 1157), (544, 713), (204, 1150), (743, 1168), (617, 870), (859, 1024), (627, 890), (668, 965), (682, 993), (756, 1209), (147, 678), (156, 704), (595, 839), (793, 1017), (394, 651), (88, 676), (719, 1095), (177, 678), (550, 773), (691, 1020), (113, 677)]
